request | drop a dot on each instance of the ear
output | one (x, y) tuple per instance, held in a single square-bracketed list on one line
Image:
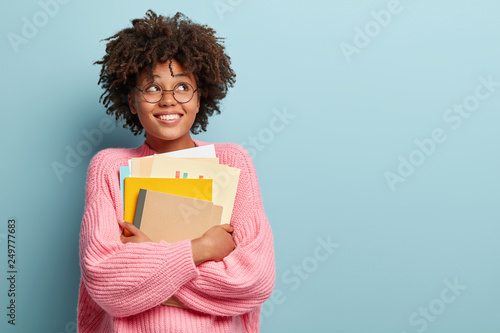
[(198, 105), (131, 103)]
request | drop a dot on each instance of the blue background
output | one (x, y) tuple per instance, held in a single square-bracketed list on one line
[(351, 119)]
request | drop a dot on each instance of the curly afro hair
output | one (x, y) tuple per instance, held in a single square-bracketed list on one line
[(156, 39)]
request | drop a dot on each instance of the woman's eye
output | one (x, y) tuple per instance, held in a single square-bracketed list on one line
[(182, 87), (152, 88)]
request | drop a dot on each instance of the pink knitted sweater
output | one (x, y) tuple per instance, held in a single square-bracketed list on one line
[(123, 285)]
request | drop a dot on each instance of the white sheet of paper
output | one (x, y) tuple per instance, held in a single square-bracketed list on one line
[(201, 151)]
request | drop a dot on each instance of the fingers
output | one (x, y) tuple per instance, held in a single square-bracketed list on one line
[(128, 228), (125, 239), (227, 227), (131, 234)]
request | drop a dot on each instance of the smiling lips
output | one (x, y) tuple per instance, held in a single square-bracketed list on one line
[(169, 116)]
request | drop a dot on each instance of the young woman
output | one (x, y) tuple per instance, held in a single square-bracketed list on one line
[(166, 76)]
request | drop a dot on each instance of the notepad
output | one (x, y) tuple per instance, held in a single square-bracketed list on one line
[(173, 218)]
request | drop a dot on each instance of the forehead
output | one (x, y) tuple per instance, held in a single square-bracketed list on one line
[(167, 71)]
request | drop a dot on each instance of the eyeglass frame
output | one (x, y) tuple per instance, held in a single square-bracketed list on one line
[(167, 90)]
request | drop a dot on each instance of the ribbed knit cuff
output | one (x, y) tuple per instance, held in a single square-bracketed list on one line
[(177, 269), (181, 269)]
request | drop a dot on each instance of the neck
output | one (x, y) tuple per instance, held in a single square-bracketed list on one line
[(162, 146)]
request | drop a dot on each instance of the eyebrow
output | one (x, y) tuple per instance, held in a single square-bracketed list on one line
[(175, 75), (181, 75), (150, 78)]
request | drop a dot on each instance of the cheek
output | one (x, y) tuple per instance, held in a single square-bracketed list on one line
[(194, 107)]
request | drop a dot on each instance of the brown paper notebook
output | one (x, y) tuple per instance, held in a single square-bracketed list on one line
[(174, 218)]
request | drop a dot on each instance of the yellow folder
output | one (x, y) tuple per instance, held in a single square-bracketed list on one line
[(193, 188)]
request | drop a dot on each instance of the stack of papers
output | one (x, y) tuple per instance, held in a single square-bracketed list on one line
[(178, 195)]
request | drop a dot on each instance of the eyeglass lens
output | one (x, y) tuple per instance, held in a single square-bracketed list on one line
[(182, 92)]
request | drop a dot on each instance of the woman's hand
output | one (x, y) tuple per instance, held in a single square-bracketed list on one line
[(215, 244), (137, 236)]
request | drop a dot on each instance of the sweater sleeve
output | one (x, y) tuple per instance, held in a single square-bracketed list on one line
[(124, 279), (245, 278)]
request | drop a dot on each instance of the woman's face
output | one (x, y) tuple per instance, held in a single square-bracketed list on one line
[(166, 122)]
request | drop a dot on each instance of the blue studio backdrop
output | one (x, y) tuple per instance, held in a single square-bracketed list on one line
[(373, 125)]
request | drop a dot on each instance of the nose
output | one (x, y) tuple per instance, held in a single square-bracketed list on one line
[(168, 98)]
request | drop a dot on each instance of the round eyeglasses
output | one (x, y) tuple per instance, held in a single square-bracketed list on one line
[(152, 92)]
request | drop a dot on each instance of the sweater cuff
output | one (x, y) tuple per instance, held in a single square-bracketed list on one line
[(178, 269), (182, 268)]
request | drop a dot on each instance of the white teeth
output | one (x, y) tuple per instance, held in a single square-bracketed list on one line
[(169, 116)]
